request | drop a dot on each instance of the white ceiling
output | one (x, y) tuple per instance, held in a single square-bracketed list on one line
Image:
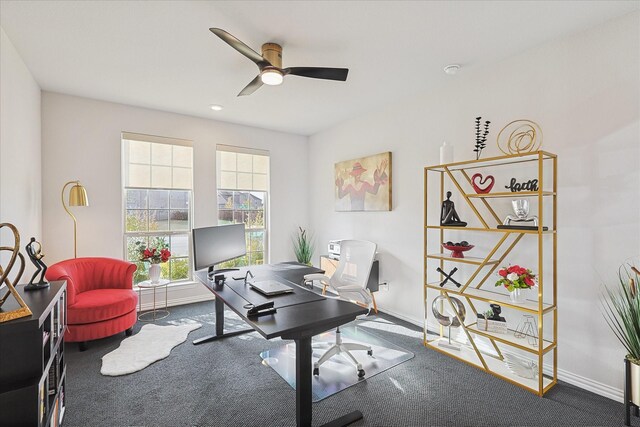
[(161, 55)]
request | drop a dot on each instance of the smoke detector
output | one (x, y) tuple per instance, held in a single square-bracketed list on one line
[(452, 69)]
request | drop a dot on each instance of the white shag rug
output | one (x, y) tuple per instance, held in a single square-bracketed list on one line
[(152, 343)]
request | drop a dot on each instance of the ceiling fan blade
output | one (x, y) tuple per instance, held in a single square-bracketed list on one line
[(251, 87), (240, 47), (319, 72)]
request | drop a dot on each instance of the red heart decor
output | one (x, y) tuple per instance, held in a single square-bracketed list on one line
[(482, 182)]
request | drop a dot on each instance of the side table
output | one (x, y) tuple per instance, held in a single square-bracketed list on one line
[(155, 313)]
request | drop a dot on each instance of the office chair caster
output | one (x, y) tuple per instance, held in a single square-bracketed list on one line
[(370, 352), (316, 371), (360, 373)]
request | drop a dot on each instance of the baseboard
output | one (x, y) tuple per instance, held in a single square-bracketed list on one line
[(576, 380), (591, 385), (418, 323)]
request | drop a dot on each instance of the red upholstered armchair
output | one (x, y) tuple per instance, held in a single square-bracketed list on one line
[(100, 298)]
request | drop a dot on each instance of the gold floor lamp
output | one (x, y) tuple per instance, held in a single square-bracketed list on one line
[(77, 197)]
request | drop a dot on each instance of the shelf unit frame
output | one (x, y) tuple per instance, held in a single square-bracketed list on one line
[(457, 173)]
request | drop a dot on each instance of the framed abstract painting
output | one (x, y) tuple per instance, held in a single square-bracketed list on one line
[(363, 184)]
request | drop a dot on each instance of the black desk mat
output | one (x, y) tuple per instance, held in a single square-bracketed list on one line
[(299, 295)]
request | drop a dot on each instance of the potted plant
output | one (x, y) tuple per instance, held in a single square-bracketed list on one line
[(516, 279), (155, 253), (303, 246), (622, 313)]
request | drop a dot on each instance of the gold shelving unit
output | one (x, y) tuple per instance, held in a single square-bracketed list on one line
[(479, 286)]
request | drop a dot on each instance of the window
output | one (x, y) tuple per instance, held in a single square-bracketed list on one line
[(157, 201), (243, 194)]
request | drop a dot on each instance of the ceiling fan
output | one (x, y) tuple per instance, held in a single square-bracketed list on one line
[(270, 64)]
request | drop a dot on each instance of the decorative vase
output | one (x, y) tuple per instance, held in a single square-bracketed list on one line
[(446, 153), (517, 296), (154, 273), (634, 378)]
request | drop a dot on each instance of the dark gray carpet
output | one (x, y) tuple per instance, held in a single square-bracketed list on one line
[(224, 384)]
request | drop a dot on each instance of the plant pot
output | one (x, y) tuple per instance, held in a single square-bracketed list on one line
[(634, 369), (154, 273), (518, 296)]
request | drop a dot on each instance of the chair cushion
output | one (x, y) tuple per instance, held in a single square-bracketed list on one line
[(101, 304)]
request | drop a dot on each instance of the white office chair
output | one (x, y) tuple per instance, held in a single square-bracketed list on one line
[(350, 283)]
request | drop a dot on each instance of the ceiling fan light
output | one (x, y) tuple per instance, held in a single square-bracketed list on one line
[(271, 77)]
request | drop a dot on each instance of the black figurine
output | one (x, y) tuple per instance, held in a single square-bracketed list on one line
[(495, 313), (36, 255), (448, 215)]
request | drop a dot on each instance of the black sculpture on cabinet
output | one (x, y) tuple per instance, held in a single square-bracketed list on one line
[(34, 250)]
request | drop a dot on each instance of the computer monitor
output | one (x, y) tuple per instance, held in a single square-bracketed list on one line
[(217, 244)]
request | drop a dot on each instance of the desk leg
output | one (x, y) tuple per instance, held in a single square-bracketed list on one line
[(220, 327), (303, 382), (304, 389), (219, 317)]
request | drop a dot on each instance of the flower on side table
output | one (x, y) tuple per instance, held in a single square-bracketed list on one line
[(155, 254), (516, 277)]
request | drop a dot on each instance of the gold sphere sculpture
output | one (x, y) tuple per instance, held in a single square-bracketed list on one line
[(520, 136)]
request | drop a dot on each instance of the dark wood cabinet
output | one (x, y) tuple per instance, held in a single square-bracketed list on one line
[(32, 363)]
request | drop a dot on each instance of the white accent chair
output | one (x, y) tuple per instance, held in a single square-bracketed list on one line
[(350, 283)]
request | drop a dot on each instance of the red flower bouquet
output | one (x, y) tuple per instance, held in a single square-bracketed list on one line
[(516, 277), (155, 255)]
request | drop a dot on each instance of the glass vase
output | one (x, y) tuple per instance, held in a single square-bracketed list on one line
[(517, 296), (154, 273)]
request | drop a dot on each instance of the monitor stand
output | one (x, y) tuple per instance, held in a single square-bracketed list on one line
[(212, 271)]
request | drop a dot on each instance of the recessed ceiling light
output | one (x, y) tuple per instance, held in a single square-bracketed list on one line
[(452, 69), (216, 107)]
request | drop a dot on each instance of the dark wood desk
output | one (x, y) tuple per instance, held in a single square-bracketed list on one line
[(299, 317)]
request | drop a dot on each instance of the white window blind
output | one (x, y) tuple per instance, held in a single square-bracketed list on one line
[(157, 162), (241, 168)]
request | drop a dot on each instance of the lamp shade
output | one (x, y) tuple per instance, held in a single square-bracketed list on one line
[(78, 196)]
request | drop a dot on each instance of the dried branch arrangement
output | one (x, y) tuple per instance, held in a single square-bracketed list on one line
[(481, 136)]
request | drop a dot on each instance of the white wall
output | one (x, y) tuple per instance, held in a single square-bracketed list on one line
[(584, 91), (20, 180), (81, 140)]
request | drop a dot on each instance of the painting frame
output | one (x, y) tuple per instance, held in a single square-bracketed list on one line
[(364, 184)]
